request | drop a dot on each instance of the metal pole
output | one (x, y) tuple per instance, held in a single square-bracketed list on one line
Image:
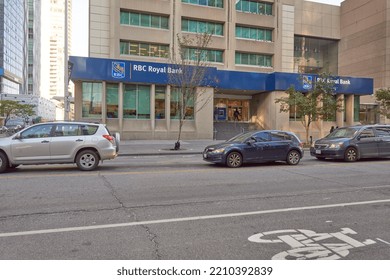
[(66, 91)]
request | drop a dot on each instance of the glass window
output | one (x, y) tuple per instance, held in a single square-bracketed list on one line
[(145, 20), (134, 19), (383, 131), (254, 59), (92, 100), (252, 6), (262, 136), (259, 34), (176, 103), (206, 55), (155, 22), (164, 23), (313, 55), (136, 102), (39, 131), (67, 130), (129, 102), (112, 100), (143, 110), (125, 18), (143, 49), (159, 102), (367, 133), (184, 24)]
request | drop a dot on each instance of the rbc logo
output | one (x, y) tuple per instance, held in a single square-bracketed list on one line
[(307, 82), (118, 70)]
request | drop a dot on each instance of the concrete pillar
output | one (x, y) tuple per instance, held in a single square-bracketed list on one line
[(104, 102), (120, 107), (340, 115), (349, 100), (152, 107)]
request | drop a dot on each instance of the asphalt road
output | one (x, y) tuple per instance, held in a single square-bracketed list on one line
[(180, 207)]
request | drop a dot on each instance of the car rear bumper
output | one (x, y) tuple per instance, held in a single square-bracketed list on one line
[(108, 153)]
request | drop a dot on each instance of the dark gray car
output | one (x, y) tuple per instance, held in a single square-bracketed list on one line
[(256, 146), (353, 143)]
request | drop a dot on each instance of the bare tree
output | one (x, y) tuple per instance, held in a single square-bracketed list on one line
[(189, 71), (318, 103)]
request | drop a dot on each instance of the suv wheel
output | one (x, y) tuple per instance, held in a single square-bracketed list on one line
[(293, 157), (87, 160), (351, 155), (234, 159), (3, 162)]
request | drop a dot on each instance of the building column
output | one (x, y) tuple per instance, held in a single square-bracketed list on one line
[(340, 115), (349, 109), (152, 108), (104, 102), (168, 108), (120, 107)]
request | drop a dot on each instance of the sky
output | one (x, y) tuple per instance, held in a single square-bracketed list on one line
[(80, 24)]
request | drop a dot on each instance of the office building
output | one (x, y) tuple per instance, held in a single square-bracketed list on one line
[(258, 50)]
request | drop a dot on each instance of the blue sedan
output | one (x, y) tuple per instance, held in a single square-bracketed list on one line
[(256, 146)]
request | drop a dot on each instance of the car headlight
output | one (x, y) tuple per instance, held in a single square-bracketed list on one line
[(218, 151), (336, 145)]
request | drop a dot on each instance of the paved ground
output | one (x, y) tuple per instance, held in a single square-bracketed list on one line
[(162, 147)]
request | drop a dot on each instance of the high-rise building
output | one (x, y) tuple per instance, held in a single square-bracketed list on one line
[(53, 46), (13, 46), (34, 47)]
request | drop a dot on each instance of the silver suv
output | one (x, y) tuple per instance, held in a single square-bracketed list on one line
[(59, 142)]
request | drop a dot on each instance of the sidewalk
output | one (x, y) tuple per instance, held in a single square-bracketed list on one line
[(163, 147)]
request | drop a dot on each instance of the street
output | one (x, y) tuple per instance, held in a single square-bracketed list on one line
[(180, 207)]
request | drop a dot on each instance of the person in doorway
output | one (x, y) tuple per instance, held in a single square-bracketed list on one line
[(331, 129), (236, 115)]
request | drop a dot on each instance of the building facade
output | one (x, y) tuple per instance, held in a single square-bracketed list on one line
[(13, 46), (364, 48), (256, 47), (53, 53)]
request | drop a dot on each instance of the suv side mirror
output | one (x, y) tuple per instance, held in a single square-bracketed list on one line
[(17, 136), (251, 140)]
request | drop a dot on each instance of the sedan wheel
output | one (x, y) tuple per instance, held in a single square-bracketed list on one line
[(87, 160), (293, 157), (351, 155), (234, 159)]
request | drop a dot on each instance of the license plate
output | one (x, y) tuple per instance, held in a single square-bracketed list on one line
[(318, 152)]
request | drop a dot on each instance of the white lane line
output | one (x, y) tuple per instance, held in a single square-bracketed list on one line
[(186, 219), (381, 240)]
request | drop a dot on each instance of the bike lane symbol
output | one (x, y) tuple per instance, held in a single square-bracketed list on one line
[(307, 244)]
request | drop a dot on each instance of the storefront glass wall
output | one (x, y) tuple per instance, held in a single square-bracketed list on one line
[(136, 102), (313, 55), (177, 102), (92, 100), (112, 94), (160, 102), (224, 109)]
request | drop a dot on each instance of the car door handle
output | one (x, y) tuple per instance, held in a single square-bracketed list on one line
[(45, 141), (79, 140)]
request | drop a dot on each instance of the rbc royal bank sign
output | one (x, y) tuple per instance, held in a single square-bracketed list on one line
[(126, 71)]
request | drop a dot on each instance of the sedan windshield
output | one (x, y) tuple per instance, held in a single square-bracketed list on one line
[(240, 137), (344, 132)]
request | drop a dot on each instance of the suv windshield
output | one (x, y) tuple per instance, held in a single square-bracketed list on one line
[(344, 132)]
